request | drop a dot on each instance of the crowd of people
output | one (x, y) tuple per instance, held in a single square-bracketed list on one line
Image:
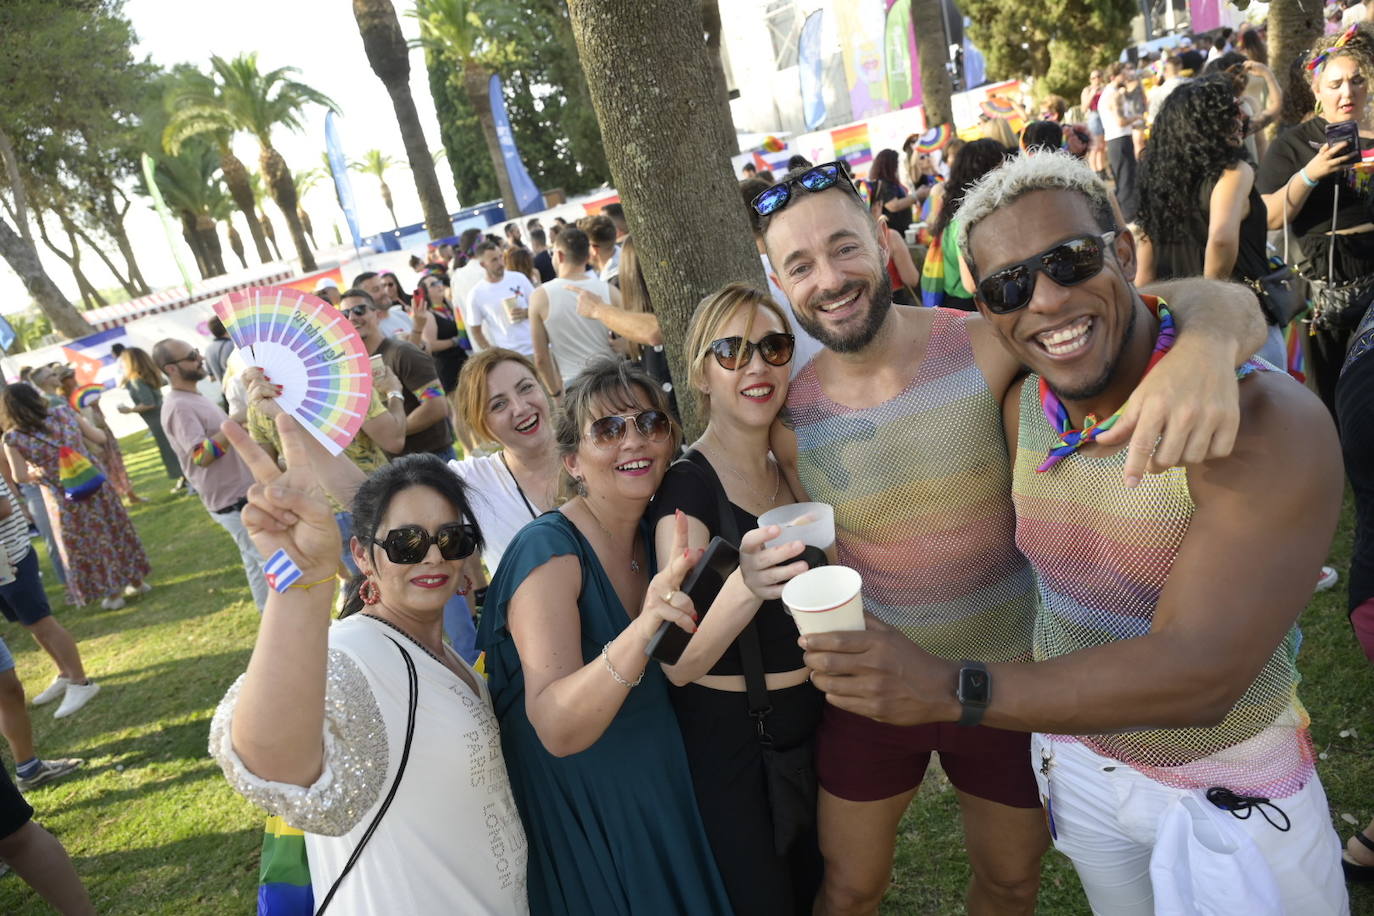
[(1053, 480)]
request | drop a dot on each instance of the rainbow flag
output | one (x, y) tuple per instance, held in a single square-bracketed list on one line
[(78, 477), (86, 395), (852, 144), (284, 876), (1297, 358), (933, 275)]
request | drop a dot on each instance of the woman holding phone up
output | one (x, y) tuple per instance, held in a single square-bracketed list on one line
[(738, 349), (1308, 181)]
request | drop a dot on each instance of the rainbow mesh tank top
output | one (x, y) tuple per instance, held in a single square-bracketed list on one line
[(1102, 554), (921, 486)]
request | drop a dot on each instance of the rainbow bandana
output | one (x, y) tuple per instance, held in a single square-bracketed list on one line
[(1320, 59), (1058, 416)]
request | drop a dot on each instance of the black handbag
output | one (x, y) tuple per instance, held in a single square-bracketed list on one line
[(789, 773), (1279, 296)]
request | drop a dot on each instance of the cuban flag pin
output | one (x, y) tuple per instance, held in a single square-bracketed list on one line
[(280, 570)]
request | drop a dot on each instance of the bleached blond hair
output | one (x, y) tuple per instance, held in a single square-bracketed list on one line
[(1022, 175)]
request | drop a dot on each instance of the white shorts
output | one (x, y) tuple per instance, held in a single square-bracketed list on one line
[(1141, 847)]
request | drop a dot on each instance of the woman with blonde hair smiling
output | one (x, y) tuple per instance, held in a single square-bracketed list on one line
[(738, 350)]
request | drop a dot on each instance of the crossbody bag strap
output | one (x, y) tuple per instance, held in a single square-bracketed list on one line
[(750, 649), (414, 685)]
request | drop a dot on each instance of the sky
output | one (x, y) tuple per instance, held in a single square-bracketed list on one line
[(320, 38)]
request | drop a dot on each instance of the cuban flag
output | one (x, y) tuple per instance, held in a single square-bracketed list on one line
[(280, 571), (92, 359)]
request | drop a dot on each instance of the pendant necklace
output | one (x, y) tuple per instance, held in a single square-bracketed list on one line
[(634, 564)]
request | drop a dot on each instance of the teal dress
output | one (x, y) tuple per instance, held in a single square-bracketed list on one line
[(613, 830)]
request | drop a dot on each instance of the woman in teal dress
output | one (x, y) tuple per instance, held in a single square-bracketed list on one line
[(596, 761), (144, 384)]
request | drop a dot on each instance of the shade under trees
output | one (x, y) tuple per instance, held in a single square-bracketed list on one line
[(682, 200)]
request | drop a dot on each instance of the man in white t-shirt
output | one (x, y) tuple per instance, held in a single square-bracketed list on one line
[(498, 308), (1116, 128)]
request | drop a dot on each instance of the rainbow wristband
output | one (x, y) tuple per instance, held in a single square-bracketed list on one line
[(429, 391), (206, 452), (280, 570)]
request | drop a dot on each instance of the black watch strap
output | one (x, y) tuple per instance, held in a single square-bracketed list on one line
[(973, 690)]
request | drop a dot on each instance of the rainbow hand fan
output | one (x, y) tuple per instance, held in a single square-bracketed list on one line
[(86, 395), (310, 349)]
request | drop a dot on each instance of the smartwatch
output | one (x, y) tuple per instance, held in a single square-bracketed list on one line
[(973, 690)]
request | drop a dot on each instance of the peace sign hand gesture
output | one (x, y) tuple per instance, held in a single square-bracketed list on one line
[(287, 509), (664, 600)]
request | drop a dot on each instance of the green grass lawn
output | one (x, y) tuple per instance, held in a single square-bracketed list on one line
[(153, 828)]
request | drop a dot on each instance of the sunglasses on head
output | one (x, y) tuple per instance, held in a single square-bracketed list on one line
[(653, 425), (825, 175), (356, 311), (409, 544), (1067, 264), (735, 352)]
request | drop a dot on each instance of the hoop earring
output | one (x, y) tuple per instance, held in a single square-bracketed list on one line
[(369, 592), (467, 585)]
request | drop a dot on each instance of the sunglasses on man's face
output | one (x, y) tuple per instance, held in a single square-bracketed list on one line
[(823, 176), (1067, 264), (356, 311), (735, 352), (653, 425), (409, 544)]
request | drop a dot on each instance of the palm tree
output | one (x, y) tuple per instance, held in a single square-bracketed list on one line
[(304, 181), (473, 36), (193, 89), (189, 185), (936, 88), (390, 60), (260, 195), (375, 163), (246, 99)]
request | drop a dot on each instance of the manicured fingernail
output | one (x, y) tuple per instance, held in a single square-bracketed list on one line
[(687, 553), (276, 492)]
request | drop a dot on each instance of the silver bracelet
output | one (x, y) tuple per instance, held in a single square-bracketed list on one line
[(606, 657)]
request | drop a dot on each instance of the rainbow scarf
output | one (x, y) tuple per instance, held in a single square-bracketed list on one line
[(284, 875), (78, 477), (933, 275), (1058, 416)]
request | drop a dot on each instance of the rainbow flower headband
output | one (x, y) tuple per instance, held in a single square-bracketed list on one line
[(1340, 43)]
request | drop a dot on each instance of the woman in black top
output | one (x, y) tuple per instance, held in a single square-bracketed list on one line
[(1200, 214), (439, 327), (1312, 181), (738, 348), (890, 199)]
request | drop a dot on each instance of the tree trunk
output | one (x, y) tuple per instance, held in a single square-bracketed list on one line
[(390, 59), (16, 183), (126, 248), (710, 26), (192, 238), (309, 229), (283, 191), (236, 243), (386, 199), (270, 233), (1293, 27), (22, 258), (933, 51), (689, 243), (99, 250), (89, 294), (236, 178), (475, 82), (209, 243)]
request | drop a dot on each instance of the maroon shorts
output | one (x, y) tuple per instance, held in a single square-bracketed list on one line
[(859, 759)]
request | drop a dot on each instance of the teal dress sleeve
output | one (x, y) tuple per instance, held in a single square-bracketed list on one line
[(613, 830)]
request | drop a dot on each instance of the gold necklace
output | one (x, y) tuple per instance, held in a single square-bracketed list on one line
[(777, 476), (634, 564)]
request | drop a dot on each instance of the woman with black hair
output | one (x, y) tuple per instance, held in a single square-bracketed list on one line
[(889, 197), (371, 735), (941, 284), (1200, 214)]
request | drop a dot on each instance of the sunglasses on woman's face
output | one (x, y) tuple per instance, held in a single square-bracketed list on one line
[(409, 544), (653, 425), (735, 352), (1067, 264), (823, 176)]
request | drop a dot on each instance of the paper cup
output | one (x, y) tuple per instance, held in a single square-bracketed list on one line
[(811, 523), (511, 303), (826, 599)]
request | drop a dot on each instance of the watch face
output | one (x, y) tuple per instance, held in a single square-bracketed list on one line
[(973, 685)]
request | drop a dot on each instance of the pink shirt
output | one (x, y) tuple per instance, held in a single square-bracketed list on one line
[(189, 419)]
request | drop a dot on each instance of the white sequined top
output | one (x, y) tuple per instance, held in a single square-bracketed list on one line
[(452, 841)]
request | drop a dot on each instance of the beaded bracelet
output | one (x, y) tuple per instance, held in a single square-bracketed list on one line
[(605, 657)]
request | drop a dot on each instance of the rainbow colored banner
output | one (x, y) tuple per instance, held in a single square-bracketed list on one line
[(852, 144), (284, 875)]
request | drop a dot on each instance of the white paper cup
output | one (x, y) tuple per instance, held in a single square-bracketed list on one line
[(826, 599), (511, 303), (811, 523)]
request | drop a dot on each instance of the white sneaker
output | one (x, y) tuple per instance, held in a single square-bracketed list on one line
[(132, 592), (1326, 578), (112, 603), (53, 691), (78, 695)]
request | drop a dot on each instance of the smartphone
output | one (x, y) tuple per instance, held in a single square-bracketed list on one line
[(702, 585), (1347, 132)]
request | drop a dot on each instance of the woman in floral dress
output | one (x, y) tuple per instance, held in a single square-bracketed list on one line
[(107, 455), (99, 547)]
